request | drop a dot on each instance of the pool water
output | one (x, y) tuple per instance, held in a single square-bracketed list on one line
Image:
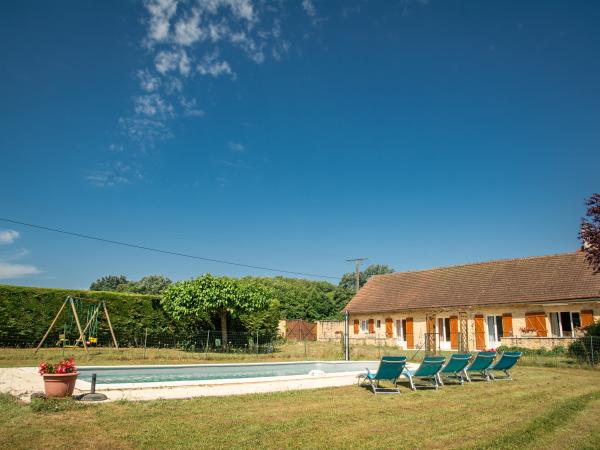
[(200, 372)]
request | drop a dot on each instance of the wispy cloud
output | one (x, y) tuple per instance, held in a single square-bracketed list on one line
[(236, 146), (113, 174), (186, 41), (8, 270), (8, 236)]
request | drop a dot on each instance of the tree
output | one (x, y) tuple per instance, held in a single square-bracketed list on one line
[(152, 284), (208, 294), (589, 232), (110, 283), (348, 281)]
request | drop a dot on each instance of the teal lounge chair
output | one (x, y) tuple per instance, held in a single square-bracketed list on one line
[(428, 372), (393, 358), (506, 362), (480, 365), (387, 371), (455, 368)]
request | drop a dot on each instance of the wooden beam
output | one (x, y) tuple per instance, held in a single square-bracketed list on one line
[(78, 325), (110, 325), (52, 324)]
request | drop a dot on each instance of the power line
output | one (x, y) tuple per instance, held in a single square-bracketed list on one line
[(166, 252)]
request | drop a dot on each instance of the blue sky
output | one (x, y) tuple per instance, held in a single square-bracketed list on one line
[(293, 135)]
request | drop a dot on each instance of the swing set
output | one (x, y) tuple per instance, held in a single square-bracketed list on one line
[(76, 308)]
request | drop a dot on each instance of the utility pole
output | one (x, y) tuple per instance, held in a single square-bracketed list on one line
[(357, 262)]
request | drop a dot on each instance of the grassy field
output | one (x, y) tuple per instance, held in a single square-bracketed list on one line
[(288, 351), (543, 408)]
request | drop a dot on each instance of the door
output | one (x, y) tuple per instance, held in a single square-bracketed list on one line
[(410, 338), (454, 333), (479, 333), (389, 328)]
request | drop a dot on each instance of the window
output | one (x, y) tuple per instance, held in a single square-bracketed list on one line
[(563, 324), (495, 331), (401, 329), (444, 329), (364, 326), (378, 323)]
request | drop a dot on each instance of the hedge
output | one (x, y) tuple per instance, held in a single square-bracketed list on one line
[(26, 313)]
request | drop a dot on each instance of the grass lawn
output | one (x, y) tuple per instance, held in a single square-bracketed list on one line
[(543, 408)]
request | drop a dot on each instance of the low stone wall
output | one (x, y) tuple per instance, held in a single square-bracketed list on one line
[(537, 342)]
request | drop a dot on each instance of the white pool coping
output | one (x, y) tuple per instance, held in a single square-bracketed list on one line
[(23, 381)]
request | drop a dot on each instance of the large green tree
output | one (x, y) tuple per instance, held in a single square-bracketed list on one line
[(589, 232), (194, 299), (111, 283), (348, 281)]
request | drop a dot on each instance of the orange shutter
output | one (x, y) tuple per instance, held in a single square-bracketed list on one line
[(479, 333), (537, 321), (389, 328), (587, 318), (410, 339), (371, 326), (454, 333), (356, 326), (507, 325)]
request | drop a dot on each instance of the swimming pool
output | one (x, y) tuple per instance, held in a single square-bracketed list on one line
[(201, 372)]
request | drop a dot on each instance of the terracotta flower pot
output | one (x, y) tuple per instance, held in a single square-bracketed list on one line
[(59, 384)]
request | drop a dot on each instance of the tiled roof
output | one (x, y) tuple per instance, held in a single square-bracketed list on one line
[(538, 279)]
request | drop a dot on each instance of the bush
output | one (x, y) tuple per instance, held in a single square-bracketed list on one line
[(556, 351), (26, 314)]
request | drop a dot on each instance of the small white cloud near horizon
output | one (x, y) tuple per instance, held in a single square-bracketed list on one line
[(8, 270), (236, 146), (8, 236)]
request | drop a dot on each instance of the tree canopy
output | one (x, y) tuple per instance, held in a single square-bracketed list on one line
[(589, 232), (194, 300), (348, 280), (152, 284)]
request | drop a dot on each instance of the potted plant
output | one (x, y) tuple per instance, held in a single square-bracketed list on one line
[(528, 332), (59, 378)]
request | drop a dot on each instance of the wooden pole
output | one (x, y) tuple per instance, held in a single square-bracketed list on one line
[(89, 322), (110, 325), (52, 324), (81, 336)]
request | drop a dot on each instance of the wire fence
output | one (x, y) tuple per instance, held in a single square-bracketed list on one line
[(215, 345)]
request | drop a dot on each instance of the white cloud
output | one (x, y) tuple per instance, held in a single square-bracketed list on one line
[(190, 108), (215, 68), (309, 8), (188, 31), (167, 61), (17, 254), (161, 12), (8, 270), (8, 236), (152, 105), (236, 146), (148, 82)]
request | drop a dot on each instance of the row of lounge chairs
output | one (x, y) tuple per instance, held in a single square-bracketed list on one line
[(435, 370)]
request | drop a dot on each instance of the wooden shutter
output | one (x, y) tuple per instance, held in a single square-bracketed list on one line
[(587, 318), (410, 337), (507, 325), (454, 333), (356, 326), (389, 328), (371, 326), (479, 333), (537, 321)]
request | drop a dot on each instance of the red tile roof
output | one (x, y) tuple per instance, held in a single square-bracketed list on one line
[(526, 280)]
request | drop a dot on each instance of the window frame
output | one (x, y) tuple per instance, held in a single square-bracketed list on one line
[(497, 328), (562, 331), (364, 326)]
